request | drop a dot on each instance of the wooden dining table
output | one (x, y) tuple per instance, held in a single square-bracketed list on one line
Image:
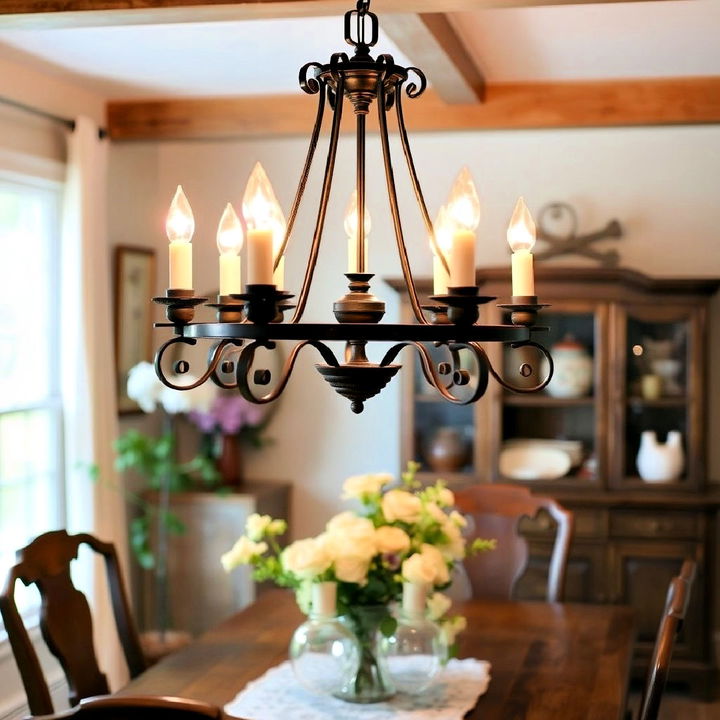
[(549, 660)]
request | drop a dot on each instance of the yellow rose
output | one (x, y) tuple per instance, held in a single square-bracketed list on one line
[(389, 539), (349, 534), (445, 497), (401, 505), (451, 627), (459, 519), (455, 547), (434, 511), (242, 553), (359, 486), (306, 558), (352, 569), (417, 569), (435, 559)]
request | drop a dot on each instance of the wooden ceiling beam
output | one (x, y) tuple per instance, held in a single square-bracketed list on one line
[(608, 103), (432, 43), (86, 13)]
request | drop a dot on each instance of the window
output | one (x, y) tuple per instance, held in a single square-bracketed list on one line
[(31, 456)]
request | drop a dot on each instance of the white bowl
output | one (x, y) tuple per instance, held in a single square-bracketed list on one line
[(532, 462), (574, 448)]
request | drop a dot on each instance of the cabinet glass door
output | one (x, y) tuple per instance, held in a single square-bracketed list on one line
[(552, 436), (656, 397)]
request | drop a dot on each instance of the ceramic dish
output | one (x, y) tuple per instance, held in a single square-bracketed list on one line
[(574, 448), (530, 462)]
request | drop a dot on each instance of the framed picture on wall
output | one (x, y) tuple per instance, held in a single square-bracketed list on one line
[(134, 286)]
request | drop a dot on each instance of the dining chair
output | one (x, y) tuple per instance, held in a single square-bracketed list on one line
[(65, 619), (676, 605), (136, 707), (494, 511)]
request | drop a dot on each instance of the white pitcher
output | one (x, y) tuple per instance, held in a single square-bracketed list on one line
[(658, 462)]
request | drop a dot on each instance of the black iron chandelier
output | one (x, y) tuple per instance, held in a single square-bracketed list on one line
[(255, 318)]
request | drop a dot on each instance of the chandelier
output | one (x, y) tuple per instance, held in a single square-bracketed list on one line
[(256, 317)]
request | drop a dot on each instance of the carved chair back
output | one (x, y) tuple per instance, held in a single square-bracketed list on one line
[(494, 511), (676, 605), (137, 707), (65, 620)]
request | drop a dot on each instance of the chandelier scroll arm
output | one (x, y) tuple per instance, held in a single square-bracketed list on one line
[(213, 361), (220, 348), (394, 210), (310, 85), (405, 142), (509, 386), (247, 356), (432, 376), (324, 197)]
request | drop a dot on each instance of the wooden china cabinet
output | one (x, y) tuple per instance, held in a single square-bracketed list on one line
[(631, 535)]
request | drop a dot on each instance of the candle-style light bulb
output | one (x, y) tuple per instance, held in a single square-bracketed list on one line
[(463, 210), (351, 229), (179, 227), (261, 211), (521, 238), (229, 242), (443, 230)]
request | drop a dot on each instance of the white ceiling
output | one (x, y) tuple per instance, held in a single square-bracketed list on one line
[(641, 39)]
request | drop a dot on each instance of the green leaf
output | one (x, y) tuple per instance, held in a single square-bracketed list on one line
[(388, 625)]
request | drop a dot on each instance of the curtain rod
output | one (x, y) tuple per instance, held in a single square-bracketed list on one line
[(67, 122)]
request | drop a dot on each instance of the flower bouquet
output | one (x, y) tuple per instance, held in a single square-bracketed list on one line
[(402, 535)]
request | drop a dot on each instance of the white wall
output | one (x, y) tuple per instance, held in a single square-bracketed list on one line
[(661, 183)]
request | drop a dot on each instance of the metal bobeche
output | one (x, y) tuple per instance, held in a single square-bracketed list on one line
[(255, 318)]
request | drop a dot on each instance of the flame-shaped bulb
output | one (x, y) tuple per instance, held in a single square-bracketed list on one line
[(521, 230), (463, 205), (229, 233), (180, 223), (259, 205), (351, 217)]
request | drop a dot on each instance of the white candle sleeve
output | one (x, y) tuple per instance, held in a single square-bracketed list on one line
[(441, 277), (180, 265), (462, 259), (260, 257), (523, 280), (279, 274), (230, 274)]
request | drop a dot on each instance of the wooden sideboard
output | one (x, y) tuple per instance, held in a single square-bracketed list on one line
[(201, 593)]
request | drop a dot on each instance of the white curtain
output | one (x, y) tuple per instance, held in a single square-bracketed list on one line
[(88, 384)]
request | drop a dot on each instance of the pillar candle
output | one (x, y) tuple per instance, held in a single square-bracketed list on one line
[(230, 267), (523, 279)]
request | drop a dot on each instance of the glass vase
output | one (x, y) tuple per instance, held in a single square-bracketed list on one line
[(371, 682), (414, 651), (323, 650)]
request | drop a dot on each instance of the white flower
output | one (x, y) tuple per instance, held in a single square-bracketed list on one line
[(352, 568), (144, 386), (391, 540), (306, 558), (455, 547), (434, 511), (458, 519), (276, 527), (350, 535), (401, 505), (438, 604), (445, 497), (359, 486), (418, 569), (183, 401), (242, 553), (256, 525), (451, 627)]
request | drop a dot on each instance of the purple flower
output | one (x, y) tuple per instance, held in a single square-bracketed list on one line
[(229, 414)]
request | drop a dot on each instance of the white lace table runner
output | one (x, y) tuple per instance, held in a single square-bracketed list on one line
[(278, 696)]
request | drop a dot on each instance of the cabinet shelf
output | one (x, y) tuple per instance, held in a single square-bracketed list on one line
[(667, 402), (547, 401)]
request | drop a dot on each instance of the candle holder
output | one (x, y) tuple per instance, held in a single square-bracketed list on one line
[(523, 309), (263, 303), (359, 306), (228, 309), (462, 304), (180, 305), (438, 314)]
